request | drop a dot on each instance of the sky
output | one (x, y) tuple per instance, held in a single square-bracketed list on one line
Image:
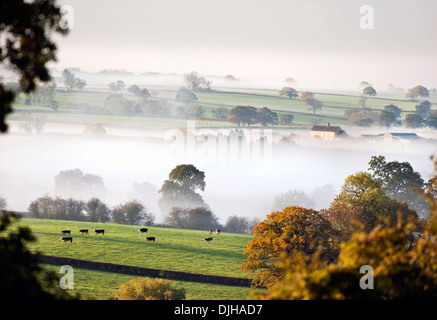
[(317, 42)]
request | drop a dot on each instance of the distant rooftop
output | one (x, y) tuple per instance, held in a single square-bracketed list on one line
[(327, 128), (403, 134)]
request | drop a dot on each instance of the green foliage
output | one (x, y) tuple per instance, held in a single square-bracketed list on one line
[(243, 115), (369, 91), (180, 189), (265, 116), (400, 182), (21, 276), (132, 212), (27, 26), (149, 289), (289, 92)]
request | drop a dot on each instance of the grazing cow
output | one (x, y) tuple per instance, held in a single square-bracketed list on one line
[(217, 231), (210, 231), (208, 239), (83, 231), (65, 231), (143, 230), (67, 239), (97, 231), (150, 239)]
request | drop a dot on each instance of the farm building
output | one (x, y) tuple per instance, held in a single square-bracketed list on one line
[(327, 132)]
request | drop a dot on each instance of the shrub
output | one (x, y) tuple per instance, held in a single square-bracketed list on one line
[(149, 289)]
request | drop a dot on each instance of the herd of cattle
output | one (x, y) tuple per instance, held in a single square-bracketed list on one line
[(141, 230)]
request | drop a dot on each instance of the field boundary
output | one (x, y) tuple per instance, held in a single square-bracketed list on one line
[(144, 272)]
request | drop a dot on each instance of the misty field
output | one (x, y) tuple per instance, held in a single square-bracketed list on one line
[(333, 110), (174, 249)]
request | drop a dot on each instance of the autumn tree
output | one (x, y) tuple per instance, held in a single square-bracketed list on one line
[(417, 91), (362, 199), (283, 234), (413, 120), (308, 98)]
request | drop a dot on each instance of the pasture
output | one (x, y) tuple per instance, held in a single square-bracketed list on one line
[(333, 110), (174, 249)]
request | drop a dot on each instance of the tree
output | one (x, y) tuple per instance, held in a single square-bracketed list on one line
[(117, 104), (286, 119), (76, 184), (289, 92), (243, 115), (265, 116), (308, 98), (417, 91), (27, 48), (387, 119), (58, 208), (116, 86), (97, 211), (133, 213), (149, 289), (401, 269), (134, 89), (236, 224), (363, 199), (369, 91), (71, 82), (392, 108), (423, 108), (21, 275), (294, 197), (284, 234), (185, 96), (195, 82), (363, 101), (431, 120), (221, 113), (400, 182), (180, 189), (413, 120)]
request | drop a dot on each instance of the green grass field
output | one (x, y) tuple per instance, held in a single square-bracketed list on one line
[(174, 249), (333, 111)]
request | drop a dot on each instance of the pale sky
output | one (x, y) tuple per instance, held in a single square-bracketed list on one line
[(317, 41)]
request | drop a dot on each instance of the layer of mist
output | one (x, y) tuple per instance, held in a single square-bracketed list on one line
[(136, 166)]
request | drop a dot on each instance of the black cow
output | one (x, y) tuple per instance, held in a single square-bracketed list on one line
[(67, 239), (65, 231), (143, 230), (208, 239), (97, 231), (150, 239), (83, 231), (217, 231)]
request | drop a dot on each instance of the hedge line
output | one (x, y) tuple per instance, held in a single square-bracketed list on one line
[(145, 272)]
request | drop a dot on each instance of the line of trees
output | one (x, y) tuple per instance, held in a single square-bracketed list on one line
[(300, 253), (94, 210)]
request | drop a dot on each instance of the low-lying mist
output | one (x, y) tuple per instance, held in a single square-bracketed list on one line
[(29, 163)]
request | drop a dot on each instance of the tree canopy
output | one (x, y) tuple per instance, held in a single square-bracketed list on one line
[(27, 28)]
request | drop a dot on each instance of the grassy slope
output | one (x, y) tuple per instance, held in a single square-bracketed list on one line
[(174, 249)]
